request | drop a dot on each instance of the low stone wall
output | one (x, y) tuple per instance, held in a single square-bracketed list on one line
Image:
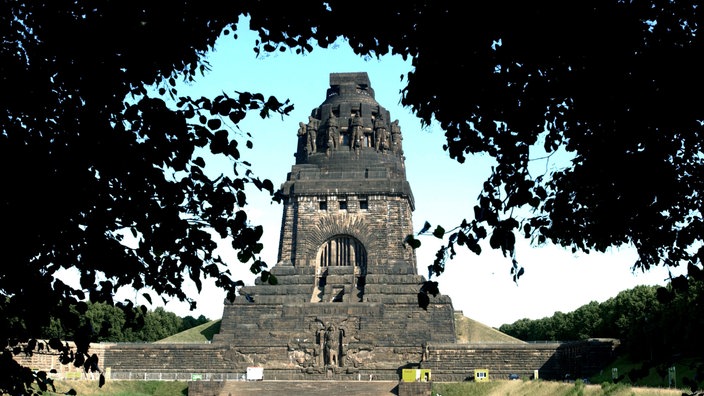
[(448, 362), (457, 362), (414, 388), (48, 360)]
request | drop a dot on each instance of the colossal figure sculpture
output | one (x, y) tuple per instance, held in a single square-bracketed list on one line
[(333, 133), (381, 133), (332, 345), (357, 132), (312, 130)]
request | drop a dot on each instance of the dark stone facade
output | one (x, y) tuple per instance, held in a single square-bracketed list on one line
[(347, 298)]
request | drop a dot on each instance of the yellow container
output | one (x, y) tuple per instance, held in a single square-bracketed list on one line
[(408, 375), (415, 375)]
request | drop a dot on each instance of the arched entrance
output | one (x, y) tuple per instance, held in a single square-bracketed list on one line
[(342, 251), (341, 269)]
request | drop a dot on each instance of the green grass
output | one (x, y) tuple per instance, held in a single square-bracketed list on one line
[(491, 388), (469, 330), (544, 388), (198, 334), (122, 388), (656, 377)]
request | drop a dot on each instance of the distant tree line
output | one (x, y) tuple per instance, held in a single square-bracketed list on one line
[(109, 323), (651, 322)]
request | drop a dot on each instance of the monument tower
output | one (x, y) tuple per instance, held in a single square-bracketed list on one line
[(346, 300)]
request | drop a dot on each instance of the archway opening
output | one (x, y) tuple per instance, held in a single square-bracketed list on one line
[(344, 283)]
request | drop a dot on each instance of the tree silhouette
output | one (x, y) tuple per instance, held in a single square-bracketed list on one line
[(92, 157)]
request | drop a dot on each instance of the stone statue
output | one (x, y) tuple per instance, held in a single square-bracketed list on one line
[(312, 130), (302, 138), (333, 132), (356, 136), (381, 143), (332, 345), (396, 138)]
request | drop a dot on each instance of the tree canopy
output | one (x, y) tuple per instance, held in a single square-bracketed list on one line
[(650, 331), (91, 157)]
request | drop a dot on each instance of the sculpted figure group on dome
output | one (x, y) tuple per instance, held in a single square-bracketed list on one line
[(316, 136)]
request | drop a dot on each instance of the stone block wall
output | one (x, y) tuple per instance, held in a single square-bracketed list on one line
[(48, 361), (381, 228), (457, 362), (448, 362), (376, 179), (414, 388)]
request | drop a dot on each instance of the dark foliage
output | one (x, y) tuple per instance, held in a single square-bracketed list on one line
[(648, 329), (190, 322), (589, 79), (654, 332)]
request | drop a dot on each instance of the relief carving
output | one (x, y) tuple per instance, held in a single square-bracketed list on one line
[(332, 346)]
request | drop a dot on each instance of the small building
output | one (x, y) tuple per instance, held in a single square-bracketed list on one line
[(481, 375)]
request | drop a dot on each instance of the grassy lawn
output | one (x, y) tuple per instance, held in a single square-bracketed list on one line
[(544, 388), (491, 388), (122, 388)]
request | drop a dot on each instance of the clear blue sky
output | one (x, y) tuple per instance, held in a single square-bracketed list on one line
[(445, 191)]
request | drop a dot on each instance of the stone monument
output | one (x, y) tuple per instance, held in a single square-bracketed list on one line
[(346, 302)]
